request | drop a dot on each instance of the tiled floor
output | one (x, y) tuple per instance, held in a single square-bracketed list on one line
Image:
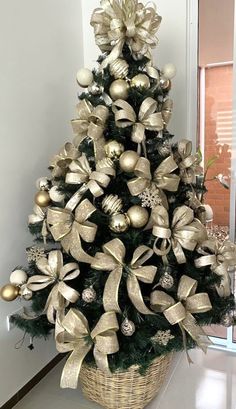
[(208, 384)]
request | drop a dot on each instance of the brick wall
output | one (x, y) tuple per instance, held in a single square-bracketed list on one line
[(218, 137)]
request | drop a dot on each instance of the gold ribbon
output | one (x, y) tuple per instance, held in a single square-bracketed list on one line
[(39, 216), (60, 162), (185, 232), (56, 274), (91, 123), (147, 118), (126, 21), (112, 259), (187, 162), (181, 312), (69, 229), (76, 337), (220, 257), (95, 181), (166, 111)]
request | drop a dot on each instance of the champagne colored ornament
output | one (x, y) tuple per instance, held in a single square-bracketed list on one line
[(114, 149), (112, 204), (150, 197), (95, 89), (169, 71), (138, 216), (42, 198), (166, 281), (209, 213), (89, 295), (9, 292), (165, 84), (119, 89), (128, 161), (119, 222), (164, 150), (25, 292), (55, 195), (84, 77), (127, 328), (43, 183), (162, 337), (18, 277), (140, 80), (119, 68)]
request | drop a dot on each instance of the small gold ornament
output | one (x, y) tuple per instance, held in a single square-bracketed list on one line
[(9, 292), (114, 149), (18, 277), (166, 281), (112, 204), (119, 222), (42, 198), (165, 84), (165, 149), (119, 68), (128, 161), (89, 295), (140, 80), (119, 89), (162, 337), (25, 292), (138, 216), (127, 328)]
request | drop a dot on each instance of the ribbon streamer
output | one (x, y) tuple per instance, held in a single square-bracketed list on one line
[(69, 229), (187, 161), (39, 216), (60, 162), (112, 259), (76, 337)]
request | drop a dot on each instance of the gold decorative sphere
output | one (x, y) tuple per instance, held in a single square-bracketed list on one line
[(119, 68), (119, 222), (9, 292), (140, 80), (165, 84), (119, 89), (128, 161), (114, 149), (42, 198), (138, 216)]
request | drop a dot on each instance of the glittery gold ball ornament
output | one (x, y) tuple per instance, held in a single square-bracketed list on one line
[(84, 77), (138, 216), (119, 222), (165, 84), (89, 295), (9, 292), (166, 281), (119, 89), (43, 183), (42, 198), (18, 277), (140, 80), (119, 68), (128, 161), (114, 149), (112, 204), (127, 328)]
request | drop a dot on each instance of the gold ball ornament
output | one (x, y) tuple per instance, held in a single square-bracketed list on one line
[(140, 80), (9, 292), (112, 204), (119, 68), (138, 216), (127, 328), (42, 198), (128, 161), (18, 277), (119, 89), (114, 149), (84, 77), (165, 84), (119, 222)]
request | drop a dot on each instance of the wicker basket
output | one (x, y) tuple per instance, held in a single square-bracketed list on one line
[(124, 390)]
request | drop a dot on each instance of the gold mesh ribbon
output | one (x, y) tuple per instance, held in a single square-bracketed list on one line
[(125, 21), (185, 232), (69, 229), (76, 337), (112, 259), (147, 118), (188, 162), (220, 257), (81, 173), (55, 274), (91, 123), (181, 312), (60, 162), (39, 216)]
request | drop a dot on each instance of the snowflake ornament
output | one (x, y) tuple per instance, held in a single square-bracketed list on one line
[(150, 197), (162, 337), (35, 253)]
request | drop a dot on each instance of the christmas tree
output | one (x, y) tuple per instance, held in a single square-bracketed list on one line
[(123, 270)]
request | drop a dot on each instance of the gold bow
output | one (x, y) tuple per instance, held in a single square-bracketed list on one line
[(95, 181), (113, 260), (185, 232), (188, 162), (220, 257), (181, 312), (60, 162), (148, 118), (70, 229), (91, 122), (39, 216), (57, 274), (76, 337)]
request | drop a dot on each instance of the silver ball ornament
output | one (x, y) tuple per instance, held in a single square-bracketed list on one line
[(95, 89), (166, 281), (89, 295), (127, 328), (42, 183)]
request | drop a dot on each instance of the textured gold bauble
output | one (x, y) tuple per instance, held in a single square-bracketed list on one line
[(89, 295), (138, 216), (112, 204), (127, 328), (119, 222), (119, 89), (119, 68), (42, 198), (140, 80), (9, 292), (128, 161), (114, 149), (166, 281), (165, 84)]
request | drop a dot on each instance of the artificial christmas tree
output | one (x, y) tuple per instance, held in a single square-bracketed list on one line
[(125, 273)]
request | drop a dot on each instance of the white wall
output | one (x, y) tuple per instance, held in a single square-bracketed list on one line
[(40, 52)]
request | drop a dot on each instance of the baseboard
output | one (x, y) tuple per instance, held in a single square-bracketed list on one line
[(34, 381)]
